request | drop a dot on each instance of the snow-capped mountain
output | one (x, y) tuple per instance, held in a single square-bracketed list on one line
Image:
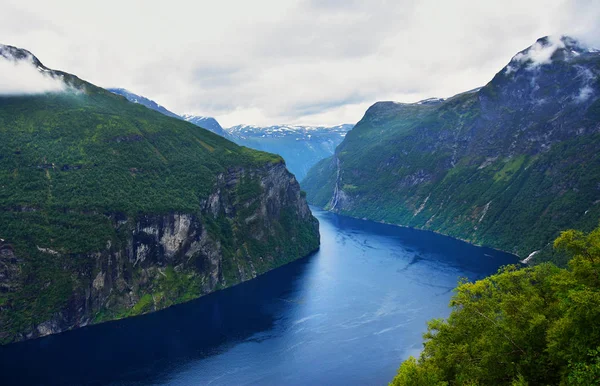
[(306, 132), (300, 146), (209, 123)]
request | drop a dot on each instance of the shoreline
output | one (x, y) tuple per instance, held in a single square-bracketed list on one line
[(520, 259)]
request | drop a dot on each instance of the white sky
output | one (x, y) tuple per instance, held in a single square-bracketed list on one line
[(288, 61)]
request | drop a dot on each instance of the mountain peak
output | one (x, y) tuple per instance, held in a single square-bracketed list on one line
[(546, 50), (208, 123), (23, 74), (20, 55), (15, 53), (533, 74)]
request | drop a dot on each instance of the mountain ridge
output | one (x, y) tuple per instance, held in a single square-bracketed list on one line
[(300, 146), (471, 165), (149, 103)]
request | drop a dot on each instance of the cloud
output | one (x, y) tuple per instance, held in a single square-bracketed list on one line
[(539, 53), (579, 18), (584, 94), (23, 77), (587, 78), (295, 61)]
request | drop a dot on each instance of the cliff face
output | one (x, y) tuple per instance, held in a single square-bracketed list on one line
[(509, 165), (109, 209), (253, 221)]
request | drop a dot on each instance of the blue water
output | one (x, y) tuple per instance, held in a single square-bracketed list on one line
[(347, 315)]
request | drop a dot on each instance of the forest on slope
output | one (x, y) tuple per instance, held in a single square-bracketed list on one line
[(509, 165), (109, 209), (531, 326)]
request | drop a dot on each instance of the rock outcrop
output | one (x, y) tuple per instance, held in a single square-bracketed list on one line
[(166, 259)]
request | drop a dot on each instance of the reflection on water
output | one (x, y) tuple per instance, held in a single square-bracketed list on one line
[(347, 315)]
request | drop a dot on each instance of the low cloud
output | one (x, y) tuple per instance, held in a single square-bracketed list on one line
[(540, 53), (588, 78), (23, 77), (584, 94)]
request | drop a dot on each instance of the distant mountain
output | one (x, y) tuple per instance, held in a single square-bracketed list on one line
[(509, 165), (209, 123), (135, 98), (300, 146), (109, 209)]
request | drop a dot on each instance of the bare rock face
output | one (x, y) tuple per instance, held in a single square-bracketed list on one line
[(253, 221)]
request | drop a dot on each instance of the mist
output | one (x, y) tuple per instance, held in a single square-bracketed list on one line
[(23, 77)]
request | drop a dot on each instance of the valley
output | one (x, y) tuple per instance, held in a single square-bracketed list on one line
[(449, 237)]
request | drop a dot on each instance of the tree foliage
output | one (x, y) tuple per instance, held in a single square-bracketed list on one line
[(522, 326)]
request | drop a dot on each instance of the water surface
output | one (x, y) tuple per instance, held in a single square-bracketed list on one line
[(347, 315)]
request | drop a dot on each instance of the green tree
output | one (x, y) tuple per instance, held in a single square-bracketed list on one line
[(521, 326)]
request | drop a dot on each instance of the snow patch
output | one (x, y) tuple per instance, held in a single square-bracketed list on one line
[(430, 101)]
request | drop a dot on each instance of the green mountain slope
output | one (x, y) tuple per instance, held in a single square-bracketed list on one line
[(508, 165), (109, 209)]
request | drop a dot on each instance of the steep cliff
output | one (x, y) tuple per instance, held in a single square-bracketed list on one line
[(508, 165), (109, 209)]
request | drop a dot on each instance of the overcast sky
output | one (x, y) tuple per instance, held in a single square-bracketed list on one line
[(278, 61)]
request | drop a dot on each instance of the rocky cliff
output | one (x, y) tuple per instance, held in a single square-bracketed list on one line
[(165, 259), (109, 209)]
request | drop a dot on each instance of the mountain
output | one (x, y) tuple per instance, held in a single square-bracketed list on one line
[(110, 209), (209, 123), (300, 146), (135, 98), (508, 165)]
